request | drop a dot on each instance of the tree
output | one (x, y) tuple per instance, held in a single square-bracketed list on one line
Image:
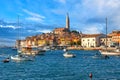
[(79, 42), (74, 31)]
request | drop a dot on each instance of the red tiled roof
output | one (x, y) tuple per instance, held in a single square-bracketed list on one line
[(91, 35)]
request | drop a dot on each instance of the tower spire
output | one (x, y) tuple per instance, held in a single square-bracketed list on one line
[(67, 22)]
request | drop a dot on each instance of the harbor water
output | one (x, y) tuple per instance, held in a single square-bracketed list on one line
[(53, 66)]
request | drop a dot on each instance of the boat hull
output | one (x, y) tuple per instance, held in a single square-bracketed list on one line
[(68, 55), (18, 58), (110, 53)]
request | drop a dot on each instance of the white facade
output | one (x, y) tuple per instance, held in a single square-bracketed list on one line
[(91, 40)]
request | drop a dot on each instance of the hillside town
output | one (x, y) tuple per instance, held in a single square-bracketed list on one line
[(64, 37)]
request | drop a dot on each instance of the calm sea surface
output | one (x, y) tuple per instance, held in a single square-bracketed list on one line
[(53, 66)]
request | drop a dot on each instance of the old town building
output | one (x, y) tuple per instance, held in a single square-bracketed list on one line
[(107, 43), (91, 40)]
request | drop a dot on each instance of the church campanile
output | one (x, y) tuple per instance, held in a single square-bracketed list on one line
[(67, 22)]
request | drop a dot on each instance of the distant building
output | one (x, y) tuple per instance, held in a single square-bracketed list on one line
[(60, 30), (107, 43), (115, 37), (18, 43), (91, 40)]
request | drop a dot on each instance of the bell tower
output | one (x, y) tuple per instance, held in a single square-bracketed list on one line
[(67, 21)]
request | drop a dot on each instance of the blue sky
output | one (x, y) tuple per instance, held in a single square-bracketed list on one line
[(38, 16)]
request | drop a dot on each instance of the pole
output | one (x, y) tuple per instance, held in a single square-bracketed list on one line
[(106, 34)]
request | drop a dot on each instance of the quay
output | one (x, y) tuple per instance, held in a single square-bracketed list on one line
[(89, 48)]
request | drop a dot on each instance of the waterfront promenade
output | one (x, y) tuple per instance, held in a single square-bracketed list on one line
[(89, 48)]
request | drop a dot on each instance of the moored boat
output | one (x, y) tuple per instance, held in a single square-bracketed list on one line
[(110, 53), (69, 55), (21, 58), (107, 52)]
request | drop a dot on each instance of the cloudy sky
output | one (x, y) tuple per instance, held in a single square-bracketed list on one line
[(41, 16)]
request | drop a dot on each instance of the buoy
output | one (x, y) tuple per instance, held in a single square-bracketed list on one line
[(90, 75)]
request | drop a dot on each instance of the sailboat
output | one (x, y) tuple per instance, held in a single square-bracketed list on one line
[(20, 56), (109, 53)]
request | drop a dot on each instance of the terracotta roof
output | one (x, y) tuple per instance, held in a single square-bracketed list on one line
[(91, 35)]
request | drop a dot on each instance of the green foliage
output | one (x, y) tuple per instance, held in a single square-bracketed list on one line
[(79, 43), (74, 31)]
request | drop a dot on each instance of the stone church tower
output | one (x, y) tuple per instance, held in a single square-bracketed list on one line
[(67, 22)]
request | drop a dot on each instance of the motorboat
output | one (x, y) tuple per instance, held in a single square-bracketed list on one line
[(68, 55), (21, 58)]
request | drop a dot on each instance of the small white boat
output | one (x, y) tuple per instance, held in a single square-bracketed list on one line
[(46, 48), (21, 58), (69, 55), (110, 53), (19, 51)]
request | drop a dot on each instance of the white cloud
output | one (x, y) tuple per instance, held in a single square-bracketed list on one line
[(59, 11), (30, 30), (92, 29), (34, 16), (36, 19), (61, 1), (9, 26), (6, 39), (44, 31)]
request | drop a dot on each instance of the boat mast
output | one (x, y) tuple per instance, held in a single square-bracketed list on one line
[(106, 34), (18, 31), (18, 26)]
